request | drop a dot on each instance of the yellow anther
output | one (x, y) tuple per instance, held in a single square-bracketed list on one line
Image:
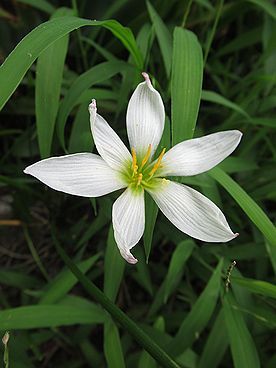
[(134, 161), (146, 157), (139, 179), (158, 162)]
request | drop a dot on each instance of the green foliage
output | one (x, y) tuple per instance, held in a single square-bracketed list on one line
[(214, 64)]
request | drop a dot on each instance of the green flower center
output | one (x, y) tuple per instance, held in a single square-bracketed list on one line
[(141, 175)]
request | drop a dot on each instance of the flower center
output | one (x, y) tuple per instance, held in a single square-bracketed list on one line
[(142, 173)]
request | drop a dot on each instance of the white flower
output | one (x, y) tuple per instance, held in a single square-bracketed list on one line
[(90, 175)]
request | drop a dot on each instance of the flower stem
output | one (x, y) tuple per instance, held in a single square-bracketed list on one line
[(127, 323)]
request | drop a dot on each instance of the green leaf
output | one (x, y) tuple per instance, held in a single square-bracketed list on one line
[(250, 207), (112, 346), (97, 74), (134, 330), (256, 286), (243, 349), (25, 53), (176, 267), (151, 210), (114, 266), (266, 5), (199, 315), (218, 99), (187, 71), (163, 36), (49, 72), (216, 344), (65, 281), (39, 4), (40, 316)]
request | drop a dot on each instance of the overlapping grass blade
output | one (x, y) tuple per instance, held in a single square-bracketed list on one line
[(21, 58), (256, 286), (112, 346), (243, 349), (199, 315), (187, 70), (250, 207), (43, 5), (163, 36)]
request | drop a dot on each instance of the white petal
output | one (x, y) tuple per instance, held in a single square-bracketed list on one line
[(198, 155), (128, 216), (191, 212), (145, 118), (108, 143), (81, 174)]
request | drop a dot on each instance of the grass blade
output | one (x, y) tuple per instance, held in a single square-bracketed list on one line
[(256, 286), (243, 350), (250, 207), (49, 72), (112, 346), (187, 71), (142, 339), (199, 315), (25, 53)]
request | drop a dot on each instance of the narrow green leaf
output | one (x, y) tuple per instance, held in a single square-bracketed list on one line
[(243, 350), (256, 286), (40, 316), (49, 72), (163, 36), (266, 5), (65, 281), (114, 266), (81, 139), (29, 48), (216, 344), (97, 74), (199, 315), (187, 71), (39, 4), (250, 207), (151, 216), (142, 338), (218, 99), (112, 346), (176, 267)]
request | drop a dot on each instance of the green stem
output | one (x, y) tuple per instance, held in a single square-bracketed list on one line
[(187, 11), (82, 49), (128, 324)]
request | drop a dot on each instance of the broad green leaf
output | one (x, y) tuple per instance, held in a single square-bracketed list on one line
[(199, 315), (43, 5), (215, 345), (41, 316), (187, 71), (256, 286), (112, 346), (243, 349), (218, 99), (163, 36), (97, 74), (25, 53), (65, 281), (176, 266), (114, 266), (253, 211), (49, 72)]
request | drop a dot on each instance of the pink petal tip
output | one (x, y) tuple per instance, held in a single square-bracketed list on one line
[(147, 79), (93, 105)]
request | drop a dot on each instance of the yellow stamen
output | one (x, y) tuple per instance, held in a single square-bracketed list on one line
[(134, 161), (158, 162), (139, 179), (146, 157)]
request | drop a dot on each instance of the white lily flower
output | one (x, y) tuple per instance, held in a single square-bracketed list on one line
[(91, 175)]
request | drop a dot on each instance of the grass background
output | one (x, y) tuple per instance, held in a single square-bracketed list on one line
[(178, 298)]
